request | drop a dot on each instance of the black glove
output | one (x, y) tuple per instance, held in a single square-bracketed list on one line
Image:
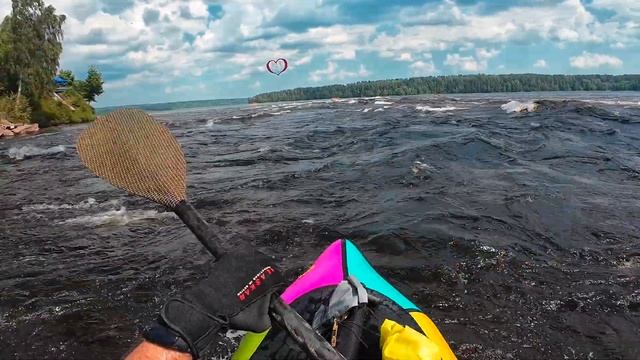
[(235, 295)]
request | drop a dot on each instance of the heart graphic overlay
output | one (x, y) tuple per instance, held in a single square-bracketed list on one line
[(278, 66)]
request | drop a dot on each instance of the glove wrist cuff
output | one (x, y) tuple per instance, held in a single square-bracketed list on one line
[(167, 338)]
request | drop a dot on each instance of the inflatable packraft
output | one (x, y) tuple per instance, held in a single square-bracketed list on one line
[(352, 306)]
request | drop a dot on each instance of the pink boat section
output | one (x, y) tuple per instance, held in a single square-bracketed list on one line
[(326, 271)]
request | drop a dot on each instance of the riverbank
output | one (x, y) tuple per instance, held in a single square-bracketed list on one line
[(8, 129)]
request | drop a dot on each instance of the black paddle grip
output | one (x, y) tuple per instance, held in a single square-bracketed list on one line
[(200, 228)]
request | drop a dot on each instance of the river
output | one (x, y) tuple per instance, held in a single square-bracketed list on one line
[(517, 233)]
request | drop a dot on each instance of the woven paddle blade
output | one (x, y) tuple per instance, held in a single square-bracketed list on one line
[(134, 152)]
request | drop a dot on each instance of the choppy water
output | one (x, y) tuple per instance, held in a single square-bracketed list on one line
[(519, 234)]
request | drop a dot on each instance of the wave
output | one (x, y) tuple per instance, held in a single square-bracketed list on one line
[(420, 167), (280, 112), (437, 109), (517, 106), (383, 102), (614, 102), (84, 204), (622, 114), (19, 153), (117, 217)]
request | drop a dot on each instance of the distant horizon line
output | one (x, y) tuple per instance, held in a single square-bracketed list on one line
[(306, 87)]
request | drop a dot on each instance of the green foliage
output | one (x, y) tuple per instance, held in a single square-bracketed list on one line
[(54, 112), (5, 49), (30, 48), (67, 75), (32, 42), (459, 84), (93, 84), (14, 109), (89, 88)]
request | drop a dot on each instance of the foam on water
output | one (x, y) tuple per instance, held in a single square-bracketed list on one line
[(19, 153), (117, 217), (280, 112), (517, 106), (437, 109), (84, 204), (614, 102)]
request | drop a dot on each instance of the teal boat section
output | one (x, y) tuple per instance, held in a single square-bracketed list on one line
[(358, 266)]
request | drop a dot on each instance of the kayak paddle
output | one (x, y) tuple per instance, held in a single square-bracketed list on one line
[(134, 152)]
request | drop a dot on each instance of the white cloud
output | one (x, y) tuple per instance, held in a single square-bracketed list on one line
[(470, 63), (565, 22), (423, 68), (332, 72), (256, 85), (589, 60), (464, 63), (446, 12), (540, 64), (405, 57), (623, 8), (618, 45), (362, 71), (143, 77), (344, 54), (485, 54), (303, 60), (246, 72)]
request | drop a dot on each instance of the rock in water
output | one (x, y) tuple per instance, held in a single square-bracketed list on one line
[(6, 133)]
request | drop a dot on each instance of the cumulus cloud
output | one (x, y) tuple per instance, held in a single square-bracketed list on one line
[(421, 68), (464, 63), (405, 57), (476, 63), (540, 64), (303, 60), (332, 72), (623, 8), (232, 39), (445, 13), (589, 60)]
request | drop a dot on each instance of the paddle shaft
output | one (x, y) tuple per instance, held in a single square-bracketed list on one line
[(314, 345)]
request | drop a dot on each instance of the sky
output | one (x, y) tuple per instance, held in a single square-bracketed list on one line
[(159, 51)]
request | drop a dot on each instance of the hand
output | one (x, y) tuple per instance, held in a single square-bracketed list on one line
[(235, 295)]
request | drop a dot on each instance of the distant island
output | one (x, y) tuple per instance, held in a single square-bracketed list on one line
[(458, 84)]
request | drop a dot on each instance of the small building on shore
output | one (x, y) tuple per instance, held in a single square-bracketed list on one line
[(61, 83)]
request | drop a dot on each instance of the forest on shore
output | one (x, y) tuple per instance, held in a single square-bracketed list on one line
[(452, 84)]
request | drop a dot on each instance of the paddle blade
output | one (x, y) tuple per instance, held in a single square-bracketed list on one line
[(134, 152)]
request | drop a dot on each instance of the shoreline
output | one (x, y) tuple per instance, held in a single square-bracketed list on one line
[(10, 130)]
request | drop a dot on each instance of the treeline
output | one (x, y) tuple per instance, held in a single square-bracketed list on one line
[(30, 47), (458, 84)]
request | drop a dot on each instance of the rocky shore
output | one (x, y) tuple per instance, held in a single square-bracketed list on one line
[(8, 129)]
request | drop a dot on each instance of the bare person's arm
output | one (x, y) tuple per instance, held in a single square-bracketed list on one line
[(150, 351)]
